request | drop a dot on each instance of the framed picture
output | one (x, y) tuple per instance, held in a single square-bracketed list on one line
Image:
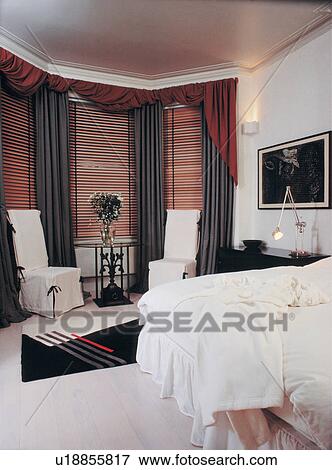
[(302, 164)]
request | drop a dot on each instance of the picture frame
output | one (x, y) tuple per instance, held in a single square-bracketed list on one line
[(304, 165)]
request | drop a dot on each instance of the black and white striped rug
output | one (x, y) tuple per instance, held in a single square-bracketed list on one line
[(56, 353)]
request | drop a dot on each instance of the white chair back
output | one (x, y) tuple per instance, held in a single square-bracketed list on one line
[(29, 240), (182, 232)]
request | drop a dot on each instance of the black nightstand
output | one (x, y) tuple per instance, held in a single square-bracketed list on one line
[(242, 259)]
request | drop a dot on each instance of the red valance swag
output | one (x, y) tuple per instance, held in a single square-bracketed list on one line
[(219, 98)]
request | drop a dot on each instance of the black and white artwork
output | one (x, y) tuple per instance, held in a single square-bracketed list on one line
[(302, 164)]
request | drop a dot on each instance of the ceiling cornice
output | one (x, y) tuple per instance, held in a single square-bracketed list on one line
[(179, 77), (296, 40), (150, 82), (23, 49)]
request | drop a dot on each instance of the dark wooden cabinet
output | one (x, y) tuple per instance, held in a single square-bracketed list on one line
[(242, 259)]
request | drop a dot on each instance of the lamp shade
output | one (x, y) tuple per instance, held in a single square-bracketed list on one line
[(277, 234)]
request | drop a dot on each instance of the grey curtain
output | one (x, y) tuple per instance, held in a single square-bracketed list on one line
[(148, 135), (52, 175), (10, 309), (217, 223)]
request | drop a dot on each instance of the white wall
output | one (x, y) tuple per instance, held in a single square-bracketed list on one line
[(292, 98)]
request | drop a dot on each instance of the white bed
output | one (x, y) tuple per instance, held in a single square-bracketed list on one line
[(302, 421)]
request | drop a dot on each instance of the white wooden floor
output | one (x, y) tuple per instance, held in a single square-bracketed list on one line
[(115, 408)]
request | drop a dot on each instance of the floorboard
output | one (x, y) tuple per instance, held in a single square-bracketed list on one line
[(115, 408)]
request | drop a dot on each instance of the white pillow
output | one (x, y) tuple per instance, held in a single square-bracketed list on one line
[(320, 273), (325, 263)]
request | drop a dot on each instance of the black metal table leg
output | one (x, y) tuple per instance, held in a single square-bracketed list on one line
[(128, 273), (96, 273), (102, 276), (121, 267), (109, 263)]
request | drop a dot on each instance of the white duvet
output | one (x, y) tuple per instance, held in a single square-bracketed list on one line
[(250, 370)]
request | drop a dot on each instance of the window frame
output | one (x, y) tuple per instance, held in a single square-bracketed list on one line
[(132, 220)]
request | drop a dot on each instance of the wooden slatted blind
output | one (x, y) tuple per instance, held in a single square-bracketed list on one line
[(102, 154), (19, 151), (182, 158)]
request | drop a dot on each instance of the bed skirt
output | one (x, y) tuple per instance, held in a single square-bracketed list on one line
[(173, 368)]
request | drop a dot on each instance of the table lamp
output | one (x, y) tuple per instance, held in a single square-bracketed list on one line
[(277, 234)]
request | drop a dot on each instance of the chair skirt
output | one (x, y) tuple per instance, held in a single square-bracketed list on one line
[(168, 270), (51, 291)]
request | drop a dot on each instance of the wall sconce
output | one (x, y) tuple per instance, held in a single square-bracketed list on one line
[(250, 127)]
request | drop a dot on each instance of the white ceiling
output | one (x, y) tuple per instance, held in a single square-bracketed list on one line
[(158, 37)]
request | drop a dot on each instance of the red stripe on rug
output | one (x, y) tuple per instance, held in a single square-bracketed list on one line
[(93, 343)]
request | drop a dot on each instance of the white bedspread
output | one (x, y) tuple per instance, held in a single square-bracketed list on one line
[(242, 371)]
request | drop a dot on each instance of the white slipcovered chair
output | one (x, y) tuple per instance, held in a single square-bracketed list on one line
[(46, 290), (180, 248)]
